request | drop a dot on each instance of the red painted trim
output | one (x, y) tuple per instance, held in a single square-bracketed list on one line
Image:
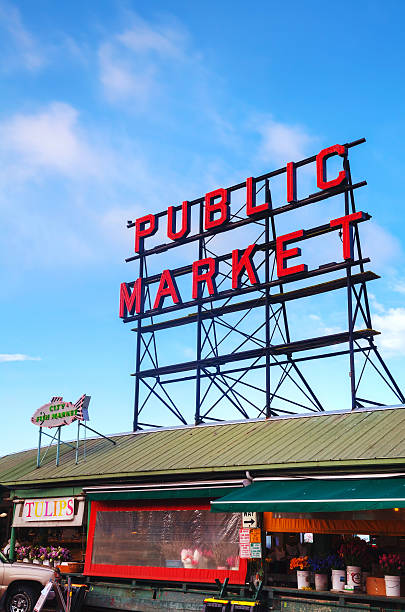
[(154, 573)]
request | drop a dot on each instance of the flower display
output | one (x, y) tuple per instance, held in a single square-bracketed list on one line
[(43, 553), (299, 563), (355, 551), (336, 562), (320, 565), (391, 564), (190, 558)]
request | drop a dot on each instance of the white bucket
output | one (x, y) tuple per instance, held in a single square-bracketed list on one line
[(392, 586), (353, 576), (338, 580), (302, 578), (321, 582)]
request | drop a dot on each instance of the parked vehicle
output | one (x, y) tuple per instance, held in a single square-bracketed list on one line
[(21, 584)]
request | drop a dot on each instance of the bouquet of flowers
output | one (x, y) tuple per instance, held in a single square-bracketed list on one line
[(23, 552), (190, 558), (335, 562), (299, 563), (319, 565), (63, 554), (355, 551), (391, 564)]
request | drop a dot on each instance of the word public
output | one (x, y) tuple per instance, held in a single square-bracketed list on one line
[(217, 214)]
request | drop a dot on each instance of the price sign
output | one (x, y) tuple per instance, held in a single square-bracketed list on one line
[(255, 550), (255, 535), (244, 551), (244, 536), (249, 519)]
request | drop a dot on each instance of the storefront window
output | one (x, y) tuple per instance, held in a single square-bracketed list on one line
[(181, 538)]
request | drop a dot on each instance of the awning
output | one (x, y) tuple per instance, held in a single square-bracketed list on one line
[(315, 496)]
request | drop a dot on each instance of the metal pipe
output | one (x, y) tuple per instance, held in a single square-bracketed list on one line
[(39, 448)]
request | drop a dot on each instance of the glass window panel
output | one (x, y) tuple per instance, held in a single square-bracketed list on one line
[(194, 539)]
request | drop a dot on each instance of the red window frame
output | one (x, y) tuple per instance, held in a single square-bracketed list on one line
[(154, 573)]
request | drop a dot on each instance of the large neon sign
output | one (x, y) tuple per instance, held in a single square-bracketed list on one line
[(257, 273), (216, 209)]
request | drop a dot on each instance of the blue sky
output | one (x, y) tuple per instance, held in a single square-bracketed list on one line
[(112, 109)]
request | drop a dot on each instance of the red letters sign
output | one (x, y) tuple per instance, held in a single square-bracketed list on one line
[(216, 218)]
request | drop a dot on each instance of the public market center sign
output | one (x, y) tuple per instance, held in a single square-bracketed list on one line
[(216, 218)]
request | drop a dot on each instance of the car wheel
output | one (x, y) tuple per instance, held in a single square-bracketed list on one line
[(21, 599)]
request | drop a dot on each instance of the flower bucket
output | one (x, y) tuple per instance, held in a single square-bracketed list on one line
[(375, 586), (321, 582), (36, 561), (353, 576), (392, 586), (26, 560), (45, 562), (338, 580), (302, 579)]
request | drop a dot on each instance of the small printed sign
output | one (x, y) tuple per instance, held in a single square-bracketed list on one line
[(249, 519), (244, 536), (244, 551), (255, 550), (255, 535)]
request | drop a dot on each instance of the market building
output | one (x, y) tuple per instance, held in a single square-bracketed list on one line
[(157, 515), (258, 496)]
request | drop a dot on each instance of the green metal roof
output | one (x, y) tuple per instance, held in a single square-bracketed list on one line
[(334, 440)]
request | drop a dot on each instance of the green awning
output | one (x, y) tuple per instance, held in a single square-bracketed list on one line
[(207, 493), (315, 496)]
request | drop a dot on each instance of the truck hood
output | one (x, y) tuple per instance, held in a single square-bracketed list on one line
[(32, 567)]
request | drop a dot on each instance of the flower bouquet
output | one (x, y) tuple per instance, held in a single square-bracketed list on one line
[(392, 566), (23, 553), (321, 567), (338, 572), (356, 553), (190, 558), (301, 564)]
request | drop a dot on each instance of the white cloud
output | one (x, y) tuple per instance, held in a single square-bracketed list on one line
[(383, 248), (399, 286), (133, 64), (281, 142), (121, 80), (26, 50), (7, 357), (163, 39), (391, 324), (50, 139)]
